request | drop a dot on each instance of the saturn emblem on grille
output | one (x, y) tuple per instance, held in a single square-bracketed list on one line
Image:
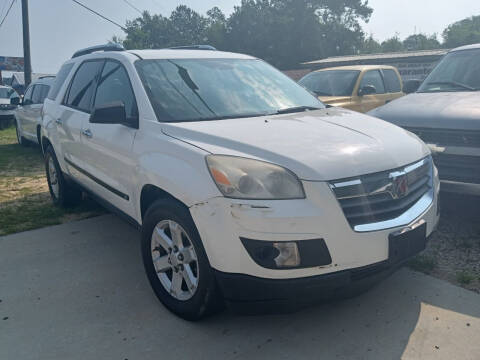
[(399, 186)]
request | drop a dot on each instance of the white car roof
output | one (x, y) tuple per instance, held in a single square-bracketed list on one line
[(187, 54), (467, 47)]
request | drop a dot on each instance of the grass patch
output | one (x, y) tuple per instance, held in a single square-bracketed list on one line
[(423, 263), (24, 198), (465, 278)]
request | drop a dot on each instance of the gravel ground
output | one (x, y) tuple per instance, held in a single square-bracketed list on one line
[(453, 252)]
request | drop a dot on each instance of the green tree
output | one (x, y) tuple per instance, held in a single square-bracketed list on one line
[(421, 42), (283, 32), (464, 32), (287, 32), (147, 32), (394, 44), (371, 46), (216, 31)]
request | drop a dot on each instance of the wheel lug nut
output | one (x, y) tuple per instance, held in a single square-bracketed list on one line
[(175, 249)]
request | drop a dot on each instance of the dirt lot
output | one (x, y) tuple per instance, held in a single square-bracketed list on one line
[(453, 252), (24, 198)]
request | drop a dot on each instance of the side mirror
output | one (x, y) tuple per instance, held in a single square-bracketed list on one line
[(367, 90), (411, 86), (27, 102), (112, 113), (15, 101)]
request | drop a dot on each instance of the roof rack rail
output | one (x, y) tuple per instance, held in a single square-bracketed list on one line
[(92, 49), (193, 47), (46, 76)]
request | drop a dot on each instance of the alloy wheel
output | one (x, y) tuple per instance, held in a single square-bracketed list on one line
[(175, 260)]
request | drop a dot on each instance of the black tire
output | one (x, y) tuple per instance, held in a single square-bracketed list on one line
[(67, 194), (206, 300), (20, 139)]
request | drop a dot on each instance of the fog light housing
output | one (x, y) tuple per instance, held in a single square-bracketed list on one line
[(284, 255), (288, 254)]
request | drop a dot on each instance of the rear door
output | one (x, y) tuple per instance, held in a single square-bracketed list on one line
[(74, 112), (368, 102), (108, 147), (393, 84), (39, 94), (24, 113)]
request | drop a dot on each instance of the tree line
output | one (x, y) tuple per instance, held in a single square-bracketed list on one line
[(284, 32)]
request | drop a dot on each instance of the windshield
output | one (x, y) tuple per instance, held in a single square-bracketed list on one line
[(458, 71), (331, 82), (210, 89), (7, 93)]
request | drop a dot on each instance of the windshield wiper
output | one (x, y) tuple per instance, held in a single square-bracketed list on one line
[(295, 110), (454, 83)]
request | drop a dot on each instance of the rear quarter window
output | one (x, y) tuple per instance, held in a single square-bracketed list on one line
[(392, 81), (59, 80)]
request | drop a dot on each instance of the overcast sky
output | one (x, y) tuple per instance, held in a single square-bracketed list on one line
[(59, 27)]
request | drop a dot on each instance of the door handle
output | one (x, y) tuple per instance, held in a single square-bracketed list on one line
[(59, 121), (87, 133)]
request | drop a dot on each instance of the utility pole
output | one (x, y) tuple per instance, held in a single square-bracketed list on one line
[(27, 70)]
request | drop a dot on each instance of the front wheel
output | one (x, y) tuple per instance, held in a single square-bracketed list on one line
[(176, 263), (63, 194)]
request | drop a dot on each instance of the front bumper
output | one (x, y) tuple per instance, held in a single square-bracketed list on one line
[(246, 293), (221, 223)]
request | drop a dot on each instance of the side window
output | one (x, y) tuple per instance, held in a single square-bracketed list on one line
[(114, 85), (37, 94), (83, 85), (59, 80), (391, 81), (27, 98), (44, 93), (373, 78)]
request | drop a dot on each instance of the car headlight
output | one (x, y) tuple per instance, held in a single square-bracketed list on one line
[(243, 178)]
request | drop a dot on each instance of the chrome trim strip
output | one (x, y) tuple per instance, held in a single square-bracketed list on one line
[(385, 187), (406, 218), (346, 183), (409, 215), (412, 167)]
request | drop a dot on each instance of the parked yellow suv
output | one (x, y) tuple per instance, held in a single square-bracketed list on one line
[(360, 88)]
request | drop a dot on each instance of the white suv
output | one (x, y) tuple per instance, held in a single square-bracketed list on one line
[(246, 188)]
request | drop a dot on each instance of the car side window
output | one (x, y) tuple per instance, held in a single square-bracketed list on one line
[(59, 80), (37, 94), (82, 86), (44, 93), (114, 85), (27, 98), (392, 81), (373, 78)]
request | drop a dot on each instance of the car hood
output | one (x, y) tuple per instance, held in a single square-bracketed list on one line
[(447, 110), (318, 145)]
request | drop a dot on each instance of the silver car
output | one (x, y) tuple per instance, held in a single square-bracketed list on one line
[(7, 106), (28, 116)]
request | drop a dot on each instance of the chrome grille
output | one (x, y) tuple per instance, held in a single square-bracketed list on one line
[(382, 197)]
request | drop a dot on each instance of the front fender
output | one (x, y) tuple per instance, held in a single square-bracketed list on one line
[(179, 169)]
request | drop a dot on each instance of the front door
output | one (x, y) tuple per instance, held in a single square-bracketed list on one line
[(73, 113), (108, 147), (369, 102)]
